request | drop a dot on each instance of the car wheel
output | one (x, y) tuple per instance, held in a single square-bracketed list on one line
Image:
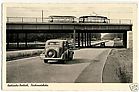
[(45, 61)]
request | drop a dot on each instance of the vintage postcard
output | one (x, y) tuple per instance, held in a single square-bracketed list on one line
[(68, 46)]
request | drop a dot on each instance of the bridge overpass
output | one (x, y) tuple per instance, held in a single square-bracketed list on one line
[(84, 30)]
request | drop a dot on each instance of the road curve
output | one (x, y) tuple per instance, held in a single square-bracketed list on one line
[(86, 67)]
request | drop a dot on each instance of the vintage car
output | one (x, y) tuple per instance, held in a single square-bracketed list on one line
[(57, 51)]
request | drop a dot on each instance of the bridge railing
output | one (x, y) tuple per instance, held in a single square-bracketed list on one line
[(26, 20), (120, 21), (47, 20)]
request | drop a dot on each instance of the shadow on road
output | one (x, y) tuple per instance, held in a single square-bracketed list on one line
[(74, 61)]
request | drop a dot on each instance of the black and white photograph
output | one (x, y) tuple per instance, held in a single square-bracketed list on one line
[(69, 43)]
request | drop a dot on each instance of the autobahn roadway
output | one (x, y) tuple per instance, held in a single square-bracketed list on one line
[(86, 67)]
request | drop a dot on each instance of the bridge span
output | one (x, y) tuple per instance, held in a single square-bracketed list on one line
[(83, 30)]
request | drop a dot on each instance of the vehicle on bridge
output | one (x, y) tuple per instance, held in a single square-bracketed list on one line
[(93, 19), (62, 19), (57, 51), (82, 19)]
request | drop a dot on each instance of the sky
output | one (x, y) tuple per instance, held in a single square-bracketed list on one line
[(113, 11)]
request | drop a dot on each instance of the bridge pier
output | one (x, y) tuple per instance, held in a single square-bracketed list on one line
[(78, 39), (125, 39), (89, 39), (17, 39), (74, 37), (85, 38), (7, 39), (26, 46), (82, 39)]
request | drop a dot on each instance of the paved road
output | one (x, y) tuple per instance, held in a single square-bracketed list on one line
[(87, 66)]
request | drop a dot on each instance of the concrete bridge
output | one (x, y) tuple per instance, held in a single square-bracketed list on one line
[(83, 30)]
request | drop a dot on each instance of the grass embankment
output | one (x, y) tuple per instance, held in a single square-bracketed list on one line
[(118, 67), (12, 55)]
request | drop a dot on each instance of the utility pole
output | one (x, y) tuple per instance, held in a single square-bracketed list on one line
[(95, 13), (42, 15)]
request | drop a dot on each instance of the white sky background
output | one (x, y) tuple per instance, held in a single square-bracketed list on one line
[(112, 11)]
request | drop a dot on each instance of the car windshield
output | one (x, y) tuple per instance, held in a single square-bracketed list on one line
[(53, 43)]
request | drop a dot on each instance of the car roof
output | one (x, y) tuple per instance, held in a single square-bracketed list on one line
[(93, 16), (62, 16)]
